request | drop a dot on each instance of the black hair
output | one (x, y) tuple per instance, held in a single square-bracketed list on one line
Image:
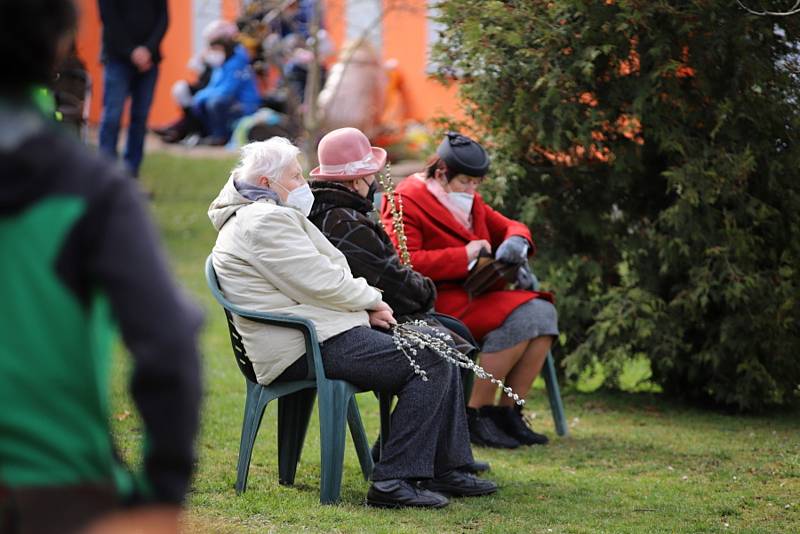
[(30, 34)]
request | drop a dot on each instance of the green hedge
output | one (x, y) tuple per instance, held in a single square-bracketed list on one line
[(679, 239)]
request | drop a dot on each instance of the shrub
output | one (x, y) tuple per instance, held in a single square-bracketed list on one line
[(652, 146)]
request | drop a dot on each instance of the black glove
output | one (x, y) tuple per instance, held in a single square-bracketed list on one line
[(525, 278), (513, 250)]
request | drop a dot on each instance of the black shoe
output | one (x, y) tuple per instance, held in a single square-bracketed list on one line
[(213, 141), (399, 493), (484, 432), (477, 467), (510, 420), (459, 484), (161, 132), (173, 137)]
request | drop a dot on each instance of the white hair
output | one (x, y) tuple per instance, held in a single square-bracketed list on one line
[(265, 158)]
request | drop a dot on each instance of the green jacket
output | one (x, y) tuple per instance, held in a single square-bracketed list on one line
[(77, 252)]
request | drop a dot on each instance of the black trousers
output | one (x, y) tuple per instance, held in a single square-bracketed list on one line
[(429, 434)]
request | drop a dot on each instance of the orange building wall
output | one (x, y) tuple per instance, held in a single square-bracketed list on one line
[(404, 38)]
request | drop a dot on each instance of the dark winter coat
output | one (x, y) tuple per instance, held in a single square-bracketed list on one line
[(128, 24), (343, 217)]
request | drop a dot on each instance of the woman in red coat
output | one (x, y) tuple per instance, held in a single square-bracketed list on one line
[(447, 224)]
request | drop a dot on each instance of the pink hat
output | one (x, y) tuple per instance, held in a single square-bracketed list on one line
[(218, 30), (345, 154)]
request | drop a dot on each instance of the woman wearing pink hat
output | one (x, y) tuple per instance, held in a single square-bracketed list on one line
[(270, 257), (343, 188)]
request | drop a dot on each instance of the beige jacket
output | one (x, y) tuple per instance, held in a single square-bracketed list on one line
[(271, 258)]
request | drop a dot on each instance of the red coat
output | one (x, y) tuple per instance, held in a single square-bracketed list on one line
[(436, 243)]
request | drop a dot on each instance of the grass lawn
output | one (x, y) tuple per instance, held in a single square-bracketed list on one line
[(632, 462)]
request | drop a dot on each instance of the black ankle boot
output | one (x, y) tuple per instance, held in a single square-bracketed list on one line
[(484, 432), (510, 421)]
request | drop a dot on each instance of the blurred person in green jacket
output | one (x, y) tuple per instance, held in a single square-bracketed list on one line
[(79, 256)]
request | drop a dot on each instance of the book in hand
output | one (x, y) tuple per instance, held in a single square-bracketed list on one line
[(488, 274)]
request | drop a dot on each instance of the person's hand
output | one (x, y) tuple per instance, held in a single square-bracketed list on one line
[(142, 58), (382, 316), (153, 519), (525, 277), (474, 248), (513, 250)]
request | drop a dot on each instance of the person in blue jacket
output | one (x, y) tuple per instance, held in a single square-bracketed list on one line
[(230, 94)]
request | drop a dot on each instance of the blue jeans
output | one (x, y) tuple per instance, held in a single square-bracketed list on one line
[(218, 115), (120, 80)]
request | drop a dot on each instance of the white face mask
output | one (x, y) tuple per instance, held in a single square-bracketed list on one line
[(301, 198), (462, 200), (215, 58)]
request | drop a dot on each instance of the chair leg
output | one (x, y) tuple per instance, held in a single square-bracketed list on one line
[(294, 412), (332, 405), (253, 412), (554, 395), (359, 438), (385, 401)]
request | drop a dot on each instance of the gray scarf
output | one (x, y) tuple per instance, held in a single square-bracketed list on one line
[(256, 193)]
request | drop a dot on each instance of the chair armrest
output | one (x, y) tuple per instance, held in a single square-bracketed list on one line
[(306, 327)]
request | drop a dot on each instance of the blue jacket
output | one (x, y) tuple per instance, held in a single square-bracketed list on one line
[(232, 80)]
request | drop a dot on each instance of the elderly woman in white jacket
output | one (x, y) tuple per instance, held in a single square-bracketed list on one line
[(269, 257)]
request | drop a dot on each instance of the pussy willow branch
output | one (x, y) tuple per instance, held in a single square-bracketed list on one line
[(396, 207), (409, 340)]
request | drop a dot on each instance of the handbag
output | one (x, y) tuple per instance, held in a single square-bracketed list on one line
[(488, 274)]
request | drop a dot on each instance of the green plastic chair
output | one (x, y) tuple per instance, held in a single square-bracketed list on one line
[(336, 405), (551, 382)]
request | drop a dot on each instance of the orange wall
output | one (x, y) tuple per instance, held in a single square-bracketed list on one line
[(404, 38), (230, 9)]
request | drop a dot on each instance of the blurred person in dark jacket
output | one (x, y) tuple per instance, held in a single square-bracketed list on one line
[(80, 257), (132, 34)]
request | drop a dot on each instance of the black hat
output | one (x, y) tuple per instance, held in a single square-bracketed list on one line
[(463, 155)]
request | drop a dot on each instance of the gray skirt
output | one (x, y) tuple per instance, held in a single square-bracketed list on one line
[(530, 320)]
